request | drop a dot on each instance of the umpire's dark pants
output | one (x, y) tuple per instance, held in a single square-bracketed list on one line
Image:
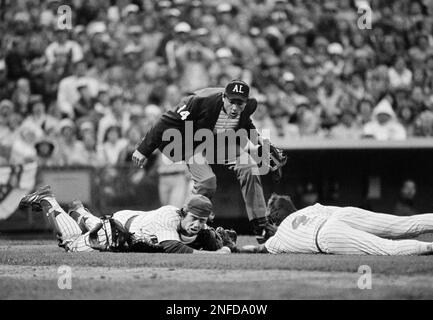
[(205, 182)]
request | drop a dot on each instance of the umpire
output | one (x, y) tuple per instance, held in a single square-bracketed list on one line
[(216, 110)]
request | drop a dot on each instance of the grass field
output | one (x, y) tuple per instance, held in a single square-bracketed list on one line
[(29, 270)]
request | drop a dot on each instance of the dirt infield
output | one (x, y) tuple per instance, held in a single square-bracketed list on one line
[(29, 270)]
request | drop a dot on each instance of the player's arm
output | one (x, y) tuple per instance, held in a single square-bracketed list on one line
[(254, 249), (176, 118), (174, 246)]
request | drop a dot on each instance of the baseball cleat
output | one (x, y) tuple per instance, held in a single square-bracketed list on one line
[(77, 206), (34, 199)]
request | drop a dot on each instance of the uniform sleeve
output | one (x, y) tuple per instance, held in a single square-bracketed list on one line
[(175, 118), (167, 225), (273, 245), (171, 246), (165, 232)]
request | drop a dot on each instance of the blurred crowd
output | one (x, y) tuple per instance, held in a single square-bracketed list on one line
[(86, 95)]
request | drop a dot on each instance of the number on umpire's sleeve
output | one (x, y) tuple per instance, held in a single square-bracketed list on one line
[(183, 114)]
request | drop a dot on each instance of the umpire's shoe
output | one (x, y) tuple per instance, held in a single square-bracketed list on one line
[(263, 229), (34, 199)]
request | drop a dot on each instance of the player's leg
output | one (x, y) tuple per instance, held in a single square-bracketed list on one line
[(179, 192), (44, 199), (164, 189), (201, 173), (67, 230), (337, 237), (386, 225), (99, 231)]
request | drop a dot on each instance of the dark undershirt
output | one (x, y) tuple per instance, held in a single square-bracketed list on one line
[(174, 246)]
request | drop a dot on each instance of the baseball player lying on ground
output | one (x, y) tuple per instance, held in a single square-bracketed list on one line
[(342, 230), (167, 229)]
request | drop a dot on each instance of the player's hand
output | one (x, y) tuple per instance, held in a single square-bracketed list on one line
[(138, 159), (248, 249)]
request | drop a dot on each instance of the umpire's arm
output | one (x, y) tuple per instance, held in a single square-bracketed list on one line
[(171, 119)]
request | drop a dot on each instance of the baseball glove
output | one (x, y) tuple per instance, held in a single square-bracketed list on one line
[(122, 241), (207, 239), (277, 160), (228, 238), (211, 239)]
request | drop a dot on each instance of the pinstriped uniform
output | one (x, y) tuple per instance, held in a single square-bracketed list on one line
[(72, 237), (154, 226), (297, 233), (350, 230)]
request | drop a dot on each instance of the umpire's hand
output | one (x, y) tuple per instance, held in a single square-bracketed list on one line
[(138, 159)]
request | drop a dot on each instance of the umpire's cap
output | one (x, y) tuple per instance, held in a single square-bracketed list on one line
[(199, 205), (237, 90)]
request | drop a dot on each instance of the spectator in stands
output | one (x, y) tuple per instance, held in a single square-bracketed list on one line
[(91, 154), (286, 50), (364, 110), (329, 95), (85, 106), (21, 96), (68, 94), (6, 109), (347, 128), (308, 121), (112, 146), (399, 75), (282, 131), (424, 124), (70, 148), (384, 124), (47, 153), (39, 118), (116, 115), (405, 205), (407, 119), (63, 46), (133, 136), (23, 147)]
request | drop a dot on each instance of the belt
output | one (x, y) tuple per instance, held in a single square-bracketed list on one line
[(129, 222), (317, 235)]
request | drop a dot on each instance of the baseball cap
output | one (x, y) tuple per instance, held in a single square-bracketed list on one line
[(237, 90), (199, 205)]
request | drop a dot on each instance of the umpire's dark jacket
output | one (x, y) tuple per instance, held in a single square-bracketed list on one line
[(203, 109)]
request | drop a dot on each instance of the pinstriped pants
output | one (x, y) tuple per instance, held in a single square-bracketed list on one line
[(72, 237), (353, 230)]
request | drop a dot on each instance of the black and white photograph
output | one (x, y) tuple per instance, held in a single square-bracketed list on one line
[(216, 156)]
